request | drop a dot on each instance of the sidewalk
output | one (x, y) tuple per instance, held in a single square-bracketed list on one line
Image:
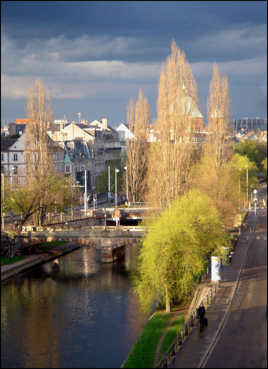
[(194, 350)]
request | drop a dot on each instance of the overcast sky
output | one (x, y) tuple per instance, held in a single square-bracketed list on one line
[(94, 56)]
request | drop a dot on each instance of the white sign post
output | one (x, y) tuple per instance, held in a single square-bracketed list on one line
[(215, 268)]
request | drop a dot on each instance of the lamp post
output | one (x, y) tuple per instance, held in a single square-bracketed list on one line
[(239, 191), (247, 186), (3, 198), (126, 182), (85, 193), (109, 183), (115, 186)]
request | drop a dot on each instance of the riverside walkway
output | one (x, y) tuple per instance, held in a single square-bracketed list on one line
[(231, 338)]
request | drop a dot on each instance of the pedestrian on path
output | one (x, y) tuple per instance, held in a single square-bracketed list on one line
[(201, 312)]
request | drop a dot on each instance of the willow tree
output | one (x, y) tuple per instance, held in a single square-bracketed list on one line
[(138, 120), (170, 157), (176, 250)]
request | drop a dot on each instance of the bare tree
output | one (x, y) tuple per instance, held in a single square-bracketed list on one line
[(40, 172), (171, 156), (138, 119), (38, 158), (215, 175), (218, 111)]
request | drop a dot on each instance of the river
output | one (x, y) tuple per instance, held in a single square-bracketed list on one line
[(70, 313)]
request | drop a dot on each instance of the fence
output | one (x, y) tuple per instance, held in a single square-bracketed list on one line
[(182, 334)]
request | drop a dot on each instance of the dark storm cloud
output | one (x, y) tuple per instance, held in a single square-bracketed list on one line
[(93, 56), (153, 23)]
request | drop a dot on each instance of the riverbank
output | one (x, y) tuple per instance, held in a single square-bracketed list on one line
[(8, 271)]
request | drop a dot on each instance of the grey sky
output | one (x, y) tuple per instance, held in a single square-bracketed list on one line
[(94, 56)]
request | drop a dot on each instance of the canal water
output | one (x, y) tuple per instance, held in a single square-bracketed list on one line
[(70, 313)]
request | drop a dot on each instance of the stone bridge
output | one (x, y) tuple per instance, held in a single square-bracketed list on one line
[(109, 241)]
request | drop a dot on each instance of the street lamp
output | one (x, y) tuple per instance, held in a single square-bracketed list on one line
[(126, 182), (3, 198), (85, 193), (109, 183), (115, 191), (247, 186)]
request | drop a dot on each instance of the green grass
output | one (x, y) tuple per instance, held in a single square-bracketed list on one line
[(143, 352), (52, 244), (5, 260), (169, 338)]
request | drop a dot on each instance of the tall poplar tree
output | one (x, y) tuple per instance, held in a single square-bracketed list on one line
[(171, 156), (138, 120), (48, 188), (215, 175), (218, 114)]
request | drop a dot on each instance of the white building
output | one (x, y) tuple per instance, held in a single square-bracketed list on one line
[(88, 146), (13, 161), (124, 132)]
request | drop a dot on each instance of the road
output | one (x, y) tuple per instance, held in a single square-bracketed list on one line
[(243, 341), (236, 336)]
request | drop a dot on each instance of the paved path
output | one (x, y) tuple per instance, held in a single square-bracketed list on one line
[(199, 349)]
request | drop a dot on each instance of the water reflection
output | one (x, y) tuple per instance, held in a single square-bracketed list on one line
[(71, 313)]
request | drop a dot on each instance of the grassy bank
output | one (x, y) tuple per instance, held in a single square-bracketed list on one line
[(169, 338), (143, 352), (5, 260)]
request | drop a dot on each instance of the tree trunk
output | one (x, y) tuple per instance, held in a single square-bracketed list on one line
[(167, 299)]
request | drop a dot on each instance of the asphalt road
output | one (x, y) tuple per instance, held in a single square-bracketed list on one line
[(236, 336), (243, 341)]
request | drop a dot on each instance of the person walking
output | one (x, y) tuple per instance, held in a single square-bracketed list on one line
[(201, 312)]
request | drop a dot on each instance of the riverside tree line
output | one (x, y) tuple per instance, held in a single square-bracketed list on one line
[(197, 193)]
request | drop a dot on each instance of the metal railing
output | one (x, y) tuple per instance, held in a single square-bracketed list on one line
[(182, 334)]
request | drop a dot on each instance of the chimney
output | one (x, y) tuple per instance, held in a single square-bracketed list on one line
[(104, 122)]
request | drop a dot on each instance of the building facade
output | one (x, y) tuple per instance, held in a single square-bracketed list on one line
[(13, 160)]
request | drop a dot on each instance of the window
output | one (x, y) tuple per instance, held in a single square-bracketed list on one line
[(67, 168), (15, 169), (15, 157), (2, 156)]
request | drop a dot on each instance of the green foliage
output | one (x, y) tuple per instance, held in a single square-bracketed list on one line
[(241, 163), (169, 338), (143, 353), (176, 249), (254, 150), (5, 260), (102, 180), (264, 166), (53, 243), (39, 195)]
